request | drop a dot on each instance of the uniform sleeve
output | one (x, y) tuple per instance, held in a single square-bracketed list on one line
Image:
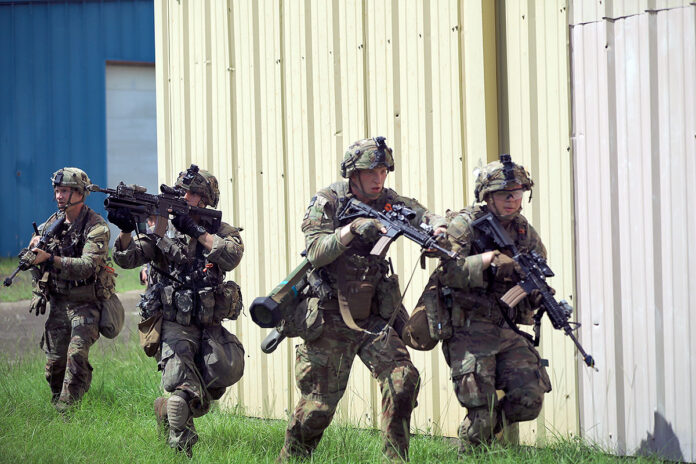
[(535, 242), (227, 249), (94, 254), (140, 250), (466, 271), (321, 238)]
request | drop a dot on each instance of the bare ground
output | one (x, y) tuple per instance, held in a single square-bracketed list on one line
[(20, 331)]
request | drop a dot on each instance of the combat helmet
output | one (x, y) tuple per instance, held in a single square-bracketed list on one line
[(201, 182), (71, 177), (367, 154), (498, 175)]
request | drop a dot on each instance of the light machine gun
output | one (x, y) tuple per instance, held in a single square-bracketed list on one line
[(533, 272), (268, 311)]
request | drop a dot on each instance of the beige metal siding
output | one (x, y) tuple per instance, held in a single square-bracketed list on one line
[(539, 137), (268, 94), (634, 140)]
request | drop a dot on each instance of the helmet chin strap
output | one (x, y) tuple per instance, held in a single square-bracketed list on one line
[(360, 189), (68, 204), (501, 217)]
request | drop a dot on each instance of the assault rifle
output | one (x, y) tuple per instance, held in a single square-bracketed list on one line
[(27, 257), (396, 219), (533, 272), (142, 205), (267, 311)]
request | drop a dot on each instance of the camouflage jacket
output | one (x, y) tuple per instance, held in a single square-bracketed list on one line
[(475, 290), (184, 257), (83, 246), (322, 228)]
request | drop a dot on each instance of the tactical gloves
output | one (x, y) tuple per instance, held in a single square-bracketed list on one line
[(186, 225), (122, 219), (503, 267), (368, 229)]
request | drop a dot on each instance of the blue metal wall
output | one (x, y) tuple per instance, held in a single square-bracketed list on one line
[(52, 97)]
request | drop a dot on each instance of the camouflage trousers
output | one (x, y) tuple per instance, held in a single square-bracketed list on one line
[(484, 358), (322, 369), (70, 330), (187, 367)]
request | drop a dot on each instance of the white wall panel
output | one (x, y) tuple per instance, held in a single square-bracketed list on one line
[(634, 139)]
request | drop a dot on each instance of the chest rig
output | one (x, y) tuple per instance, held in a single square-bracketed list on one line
[(356, 274), (69, 242), (484, 303)]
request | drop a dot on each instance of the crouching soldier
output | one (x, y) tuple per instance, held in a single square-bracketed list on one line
[(481, 341), (70, 272), (183, 308)]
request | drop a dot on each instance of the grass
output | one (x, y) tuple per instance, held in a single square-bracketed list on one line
[(115, 423), (126, 279)]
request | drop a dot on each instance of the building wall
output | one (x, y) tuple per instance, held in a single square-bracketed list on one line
[(268, 94), (52, 97), (634, 139)]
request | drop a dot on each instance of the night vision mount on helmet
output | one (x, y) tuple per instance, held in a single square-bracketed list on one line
[(200, 182), (498, 175)]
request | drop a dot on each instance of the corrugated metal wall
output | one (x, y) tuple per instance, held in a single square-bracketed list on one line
[(268, 94), (634, 140), (52, 97)]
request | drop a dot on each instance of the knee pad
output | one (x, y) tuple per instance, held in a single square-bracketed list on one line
[(178, 411), (523, 404), (478, 425)]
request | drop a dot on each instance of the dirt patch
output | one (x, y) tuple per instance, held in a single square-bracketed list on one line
[(20, 331)]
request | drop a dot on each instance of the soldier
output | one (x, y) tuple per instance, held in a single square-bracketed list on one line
[(484, 352), (188, 295), (77, 282), (356, 279)]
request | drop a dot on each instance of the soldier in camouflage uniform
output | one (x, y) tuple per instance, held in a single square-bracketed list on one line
[(343, 250), (198, 357), (485, 354), (77, 281)]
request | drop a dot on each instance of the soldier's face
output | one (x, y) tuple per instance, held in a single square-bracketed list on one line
[(62, 195), (508, 201), (371, 181), (193, 199)]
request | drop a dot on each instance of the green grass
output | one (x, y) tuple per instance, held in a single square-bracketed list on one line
[(127, 279), (115, 423)]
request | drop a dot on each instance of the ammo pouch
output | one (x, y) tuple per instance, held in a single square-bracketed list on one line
[(38, 302), (222, 356), (82, 293), (388, 296), (111, 317), (228, 302), (356, 285), (205, 306), (183, 302), (150, 333)]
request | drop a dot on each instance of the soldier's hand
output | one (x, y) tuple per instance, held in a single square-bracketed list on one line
[(26, 258), (34, 241), (503, 266), (536, 298), (122, 219), (368, 229), (186, 225)]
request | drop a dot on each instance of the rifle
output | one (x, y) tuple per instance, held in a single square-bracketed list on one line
[(395, 218), (533, 271), (142, 205), (267, 311), (27, 257)]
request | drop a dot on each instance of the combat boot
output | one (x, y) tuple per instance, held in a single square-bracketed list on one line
[(160, 405)]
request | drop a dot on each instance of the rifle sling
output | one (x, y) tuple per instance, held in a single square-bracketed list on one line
[(513, 326)]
